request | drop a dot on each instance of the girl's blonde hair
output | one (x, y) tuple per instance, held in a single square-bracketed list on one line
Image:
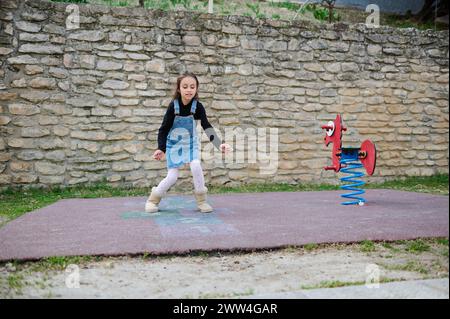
[(177, 93)]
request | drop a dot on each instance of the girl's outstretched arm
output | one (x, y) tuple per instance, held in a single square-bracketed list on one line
[(207, 127)]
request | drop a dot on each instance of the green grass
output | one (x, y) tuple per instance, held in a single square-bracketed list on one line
[(255, 8), (417, 246), (247, 292), (72, 1), (311, 247), (270, 187), (319, 12), (337, 283), (367, 246), (201, 254), (276, 16), (15, 202), (286, 4), (412, 266), (436, 184), (391, 248), (166, 5), (57, 263), (445, 248), (333, 284), (15, 281), (322, 14), (60, 263)]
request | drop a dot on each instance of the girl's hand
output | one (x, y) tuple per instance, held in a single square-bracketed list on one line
[(158, 155), (225, 148)]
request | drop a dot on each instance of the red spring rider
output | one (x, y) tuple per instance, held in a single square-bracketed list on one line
[(349, 159)]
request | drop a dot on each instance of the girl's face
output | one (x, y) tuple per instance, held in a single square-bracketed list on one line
[(188, 89)]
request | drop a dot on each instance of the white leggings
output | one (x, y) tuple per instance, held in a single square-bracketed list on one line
[(172, 176)]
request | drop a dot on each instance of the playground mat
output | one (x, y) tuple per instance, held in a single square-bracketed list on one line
[(118, 226)]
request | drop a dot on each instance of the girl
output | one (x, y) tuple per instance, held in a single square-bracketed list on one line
[(177, 140)]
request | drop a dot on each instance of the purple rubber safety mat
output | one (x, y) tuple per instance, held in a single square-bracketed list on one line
[(116, 226)]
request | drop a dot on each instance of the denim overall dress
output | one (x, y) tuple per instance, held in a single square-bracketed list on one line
[(182, 141)]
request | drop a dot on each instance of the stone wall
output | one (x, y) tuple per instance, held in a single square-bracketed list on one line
[(84, 105)]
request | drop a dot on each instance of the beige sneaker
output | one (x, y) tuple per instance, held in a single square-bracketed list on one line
[(151, 205), (202, 205)]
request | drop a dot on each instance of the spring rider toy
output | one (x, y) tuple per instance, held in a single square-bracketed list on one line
[(347, 159)]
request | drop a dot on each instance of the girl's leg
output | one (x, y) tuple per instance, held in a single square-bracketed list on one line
[(200, 189), (168, 182), (197, 174), (151, 205)]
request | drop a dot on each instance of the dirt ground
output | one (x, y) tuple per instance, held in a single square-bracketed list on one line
[(227, 275)]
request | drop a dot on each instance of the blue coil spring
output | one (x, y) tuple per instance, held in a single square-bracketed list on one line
[(350, 166)]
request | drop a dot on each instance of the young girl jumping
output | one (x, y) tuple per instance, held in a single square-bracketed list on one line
[(177, 140)]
